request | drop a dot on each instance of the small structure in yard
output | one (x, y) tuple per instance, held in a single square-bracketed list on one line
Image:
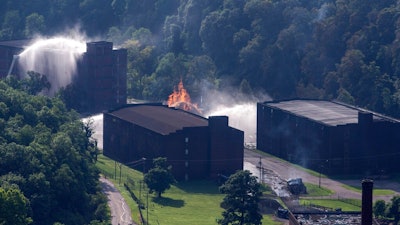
[(296, 186)]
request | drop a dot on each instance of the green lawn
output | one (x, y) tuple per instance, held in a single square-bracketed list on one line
[(315, 190), (376, 192), (195, 203)]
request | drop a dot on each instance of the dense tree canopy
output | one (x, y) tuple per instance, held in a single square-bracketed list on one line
[(14, 207), (390, 210), (241, 200), (47, 171), (329, 49)]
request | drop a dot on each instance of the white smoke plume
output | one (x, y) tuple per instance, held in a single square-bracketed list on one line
[(323, 12), (242, 111)]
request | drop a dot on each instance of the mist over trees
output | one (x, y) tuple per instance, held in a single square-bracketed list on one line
[(328, 49)]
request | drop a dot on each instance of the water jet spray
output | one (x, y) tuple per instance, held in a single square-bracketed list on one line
[(56, 58), (15, 57)]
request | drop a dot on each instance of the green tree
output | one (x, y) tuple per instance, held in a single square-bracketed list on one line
[(394, 209), (141, 63), (167, 74), (345, 96), (379, 208), (34, 83), (11, 24), (14, 207), (159, 178), (241, 201), (34, 24), (47, 153), (96, 15)]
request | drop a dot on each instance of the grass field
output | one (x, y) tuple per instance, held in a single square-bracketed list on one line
[(315, 190), (195, 203), (376, 192)]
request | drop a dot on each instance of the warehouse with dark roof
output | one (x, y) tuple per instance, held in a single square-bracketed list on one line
[(196, 147), (330, 137)]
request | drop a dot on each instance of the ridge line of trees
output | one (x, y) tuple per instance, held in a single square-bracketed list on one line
[(342, 50)]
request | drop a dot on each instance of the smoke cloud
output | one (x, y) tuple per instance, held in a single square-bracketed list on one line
[(323, 12), (241, 110)]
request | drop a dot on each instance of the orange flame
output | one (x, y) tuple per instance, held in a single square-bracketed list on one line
[(180, 98)]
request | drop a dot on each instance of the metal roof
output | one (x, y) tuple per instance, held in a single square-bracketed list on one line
[(159, 118), (327, 112), (16, 43)]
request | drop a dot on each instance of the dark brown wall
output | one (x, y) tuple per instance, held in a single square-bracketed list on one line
[(366, 147), (226, 147), (193, 152), (187, 151), (105, 76), (120, 62), (117, 143), (127, 142), (287, 136)]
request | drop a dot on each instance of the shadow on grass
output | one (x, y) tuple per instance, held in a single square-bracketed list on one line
[(169, 202), (199, 187)]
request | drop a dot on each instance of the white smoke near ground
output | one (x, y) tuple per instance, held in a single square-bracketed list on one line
[(55, 57), (242, 111), (322, 12), (242, 116), (95, 122)]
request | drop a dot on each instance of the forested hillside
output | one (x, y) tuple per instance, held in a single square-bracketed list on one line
[(344, 49), (47, 171)]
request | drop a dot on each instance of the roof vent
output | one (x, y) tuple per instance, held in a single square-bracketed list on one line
[(364, 118)]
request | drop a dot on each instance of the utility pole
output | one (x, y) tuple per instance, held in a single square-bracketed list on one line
[(262, 175), (260, 165), (135, 163), (320, 174), (120, 172), (147, 209), (115, 169), (319, 181), (140, 190)]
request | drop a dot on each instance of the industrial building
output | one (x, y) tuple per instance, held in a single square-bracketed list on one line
[(195, 147), (101, 73), (330, 137), (101, 77)]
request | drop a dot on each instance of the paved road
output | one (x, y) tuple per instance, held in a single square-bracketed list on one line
[(283, 171), (120, 212)]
